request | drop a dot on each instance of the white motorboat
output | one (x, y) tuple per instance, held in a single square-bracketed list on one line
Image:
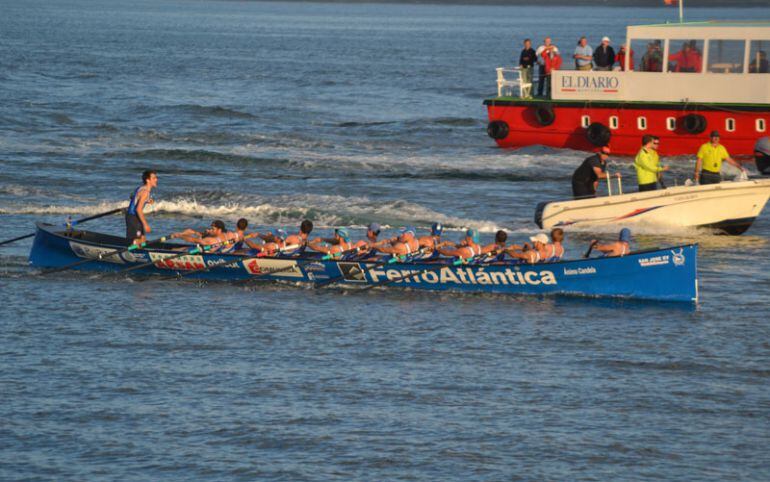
[(729, 207)]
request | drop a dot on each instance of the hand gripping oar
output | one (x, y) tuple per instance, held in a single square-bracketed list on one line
[(67, 225), (198, 249), (394, 259), (237, 260), (437, 267), (590, 248), (102, 256)]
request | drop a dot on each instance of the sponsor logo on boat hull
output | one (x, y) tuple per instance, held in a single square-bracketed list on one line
[(465, 276), (183, 263), (260, 266)]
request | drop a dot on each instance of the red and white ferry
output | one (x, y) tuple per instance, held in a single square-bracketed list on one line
[(723, 85)]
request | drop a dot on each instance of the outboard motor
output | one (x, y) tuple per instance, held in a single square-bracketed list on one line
[(539, 213), (762, 155)]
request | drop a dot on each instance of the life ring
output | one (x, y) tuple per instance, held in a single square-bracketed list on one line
[(598, 134), (497, 129), (694, 123), (545, 115)]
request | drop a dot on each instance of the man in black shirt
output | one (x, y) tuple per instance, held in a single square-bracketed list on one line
[(585, 179), (527, 60), (604, 55)]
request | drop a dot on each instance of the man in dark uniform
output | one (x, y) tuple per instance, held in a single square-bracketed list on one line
[(585, 179)]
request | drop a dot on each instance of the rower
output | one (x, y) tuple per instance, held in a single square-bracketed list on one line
[(236, 237), (367, 246), (137, 226), (620, 247), (300, 239), (432, 242), (338, 244), (554, 250), (215, 234), (273, 242), (467, 248), (496, 250), (531, 254), (404, 244)]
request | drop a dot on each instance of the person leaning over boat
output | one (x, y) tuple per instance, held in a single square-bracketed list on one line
[(621, 247), (137, 226), (647, 164), (583, 55), (708, 167), (527, 60), (586, 177), (604, 55), (467, 248), (545, 54)]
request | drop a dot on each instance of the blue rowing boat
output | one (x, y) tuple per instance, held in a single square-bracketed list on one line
[(667, 274)]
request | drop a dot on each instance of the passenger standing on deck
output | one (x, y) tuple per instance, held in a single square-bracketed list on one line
[(604, 56), (647, 164), (620, 58), (583, 55), (621, 247), (137, 226), (585, 179), (545, 55), (708, 167), (527, 60)]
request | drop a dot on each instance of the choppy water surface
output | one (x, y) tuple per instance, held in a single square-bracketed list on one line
[(346, 114)]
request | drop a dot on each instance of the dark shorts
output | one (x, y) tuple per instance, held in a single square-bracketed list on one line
[(650, 186), (583, 190), (708, 177), (134, 228)]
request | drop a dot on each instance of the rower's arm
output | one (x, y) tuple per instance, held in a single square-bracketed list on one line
[(251, 244), (140, 210), (316, 245), (190, 238), (605, 248)]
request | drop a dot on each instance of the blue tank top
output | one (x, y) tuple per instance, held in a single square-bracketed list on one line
[(132, 205)]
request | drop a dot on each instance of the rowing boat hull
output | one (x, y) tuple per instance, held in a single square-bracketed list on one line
[(666, 274), (730, 207)]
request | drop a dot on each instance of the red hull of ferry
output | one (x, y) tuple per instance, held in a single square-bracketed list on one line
[(525, 127)]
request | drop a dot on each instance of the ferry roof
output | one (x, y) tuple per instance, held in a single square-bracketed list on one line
[(732, 30)]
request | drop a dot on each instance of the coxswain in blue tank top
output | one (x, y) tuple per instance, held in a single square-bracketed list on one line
[(137, 226)]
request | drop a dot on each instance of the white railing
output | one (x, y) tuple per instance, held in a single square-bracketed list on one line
[(511, 82)]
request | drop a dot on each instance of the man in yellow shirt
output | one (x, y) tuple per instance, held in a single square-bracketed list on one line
[(708, 167), (647, 164)]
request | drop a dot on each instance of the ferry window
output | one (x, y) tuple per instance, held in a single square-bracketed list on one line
[(761, 126), (647, 55), (730, 125), (641, 123), (671, 123), (758, 57), (685, 57), (585, 121), (726, 56), (614, 122)]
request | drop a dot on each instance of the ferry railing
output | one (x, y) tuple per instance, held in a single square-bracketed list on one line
[(512, 82)]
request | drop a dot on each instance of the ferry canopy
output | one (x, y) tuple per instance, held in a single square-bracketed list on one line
[(702, 30)]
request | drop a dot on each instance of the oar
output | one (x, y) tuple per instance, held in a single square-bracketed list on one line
[(101, 256), (590, 248), (394, 259), (73, 223), (437, 267), (198, 249), (238, 260)]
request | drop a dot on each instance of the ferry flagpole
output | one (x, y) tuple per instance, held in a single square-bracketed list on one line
[(681, 11)]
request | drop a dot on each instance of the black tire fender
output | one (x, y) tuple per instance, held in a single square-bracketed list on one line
[(598, 134), (545, 115), (498, 129), (694, 123)]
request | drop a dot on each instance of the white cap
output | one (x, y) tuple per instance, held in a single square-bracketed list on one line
[(605, 39), (539, 238)]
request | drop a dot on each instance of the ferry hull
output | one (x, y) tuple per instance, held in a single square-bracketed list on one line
[(668, 274), (567, 130), (730, 207)]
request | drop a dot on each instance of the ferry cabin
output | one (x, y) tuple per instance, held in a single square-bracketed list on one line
[(714, 77)]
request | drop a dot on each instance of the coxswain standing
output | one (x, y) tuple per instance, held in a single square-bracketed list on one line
[(339, 244), (467, 248), (708, 167), (621, 247), (404, 244), (137, 226)]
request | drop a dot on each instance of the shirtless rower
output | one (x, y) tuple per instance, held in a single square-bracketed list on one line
[(496, 250), (467, 248), (338, 244), (300, 239), (273, 242), (405, 243), (367, 246), (137, 226), (433, 241), (531, 254), (621, 247), (215, 234)]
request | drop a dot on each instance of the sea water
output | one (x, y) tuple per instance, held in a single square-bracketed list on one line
[(344, 114)]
